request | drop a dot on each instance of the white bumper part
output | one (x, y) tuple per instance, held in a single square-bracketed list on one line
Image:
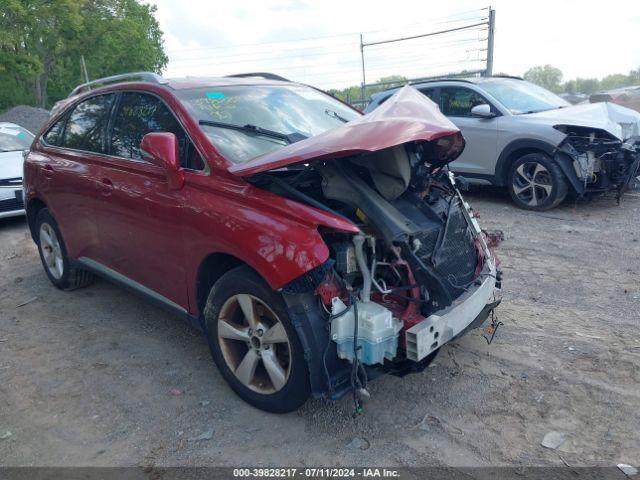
[(11, 202), (438, 328)]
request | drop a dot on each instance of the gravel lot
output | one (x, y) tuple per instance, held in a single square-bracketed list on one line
[(99, 377)]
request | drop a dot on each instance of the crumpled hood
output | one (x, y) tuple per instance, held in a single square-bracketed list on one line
[(406, 117), (621, 122)]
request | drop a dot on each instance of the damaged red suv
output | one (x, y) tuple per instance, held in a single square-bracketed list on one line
[(316, 247)]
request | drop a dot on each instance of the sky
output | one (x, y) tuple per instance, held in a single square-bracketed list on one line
[(318, 42)]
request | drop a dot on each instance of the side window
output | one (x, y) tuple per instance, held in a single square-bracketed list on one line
[(139, 114), (87, 124), (54, 134), (384, 99), (429, 92), (458, 101)]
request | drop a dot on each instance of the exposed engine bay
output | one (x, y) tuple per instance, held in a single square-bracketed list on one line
[(600, 161), (420, 253)]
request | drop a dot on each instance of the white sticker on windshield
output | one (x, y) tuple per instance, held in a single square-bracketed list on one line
[(10, 131)]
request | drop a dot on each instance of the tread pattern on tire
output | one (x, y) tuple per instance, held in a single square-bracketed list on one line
[(79, 278)]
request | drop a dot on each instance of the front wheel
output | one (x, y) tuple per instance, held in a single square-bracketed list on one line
[(254, 344), (536, 182)]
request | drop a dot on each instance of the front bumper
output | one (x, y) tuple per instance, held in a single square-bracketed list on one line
[(11, 202), (613, 172), (441, 327)]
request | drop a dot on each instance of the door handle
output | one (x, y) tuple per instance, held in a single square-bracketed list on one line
[(106, 186), (48, 171)]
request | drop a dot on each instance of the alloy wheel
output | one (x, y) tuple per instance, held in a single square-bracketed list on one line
[(254, 344), (532, 183), (51, 251)]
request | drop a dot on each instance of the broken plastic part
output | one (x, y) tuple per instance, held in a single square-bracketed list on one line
[(377, 332)]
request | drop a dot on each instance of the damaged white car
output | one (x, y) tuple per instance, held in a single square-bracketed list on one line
[(527, 139)]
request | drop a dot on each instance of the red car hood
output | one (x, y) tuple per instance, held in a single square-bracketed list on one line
[(407, 116)]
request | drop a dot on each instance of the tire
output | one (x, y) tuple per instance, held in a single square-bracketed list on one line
[(262, 360), (536, 182), (53, 254)]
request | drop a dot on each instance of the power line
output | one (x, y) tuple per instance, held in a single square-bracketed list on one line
[(258, 58), (324, 37), (413, 37)]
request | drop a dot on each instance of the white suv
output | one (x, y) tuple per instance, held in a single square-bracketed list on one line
[(528, 139), (14, 140)]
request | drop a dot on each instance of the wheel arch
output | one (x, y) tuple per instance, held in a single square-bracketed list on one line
[(515, 150), (211, 268), (33, 207)]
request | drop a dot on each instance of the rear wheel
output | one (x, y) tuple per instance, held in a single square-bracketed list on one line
[(254, 344), (536, 182), (53, 254)]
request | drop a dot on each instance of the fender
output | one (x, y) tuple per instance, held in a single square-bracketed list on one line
[(275, 236)]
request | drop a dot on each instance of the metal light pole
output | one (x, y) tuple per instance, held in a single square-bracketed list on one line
[(492, 25), (363, 77)]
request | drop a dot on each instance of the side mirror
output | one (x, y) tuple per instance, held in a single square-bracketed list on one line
[(161, 149), (483, 111)]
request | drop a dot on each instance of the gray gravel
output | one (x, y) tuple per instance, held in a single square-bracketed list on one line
[(31, 118), (86, 377)]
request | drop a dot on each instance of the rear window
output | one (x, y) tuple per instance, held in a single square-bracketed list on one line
[(54, 134), (86, 126)]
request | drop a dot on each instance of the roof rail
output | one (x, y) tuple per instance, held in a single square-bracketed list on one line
[(265, 75), (515, 77), (143, 76)]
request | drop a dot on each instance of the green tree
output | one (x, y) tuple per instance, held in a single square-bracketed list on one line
[(546, 76), (587, 85), (615, 80), (41, 42), (354, 92)]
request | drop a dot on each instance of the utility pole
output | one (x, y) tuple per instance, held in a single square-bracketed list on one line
[(492, 27), (363, 77), (83, 66)]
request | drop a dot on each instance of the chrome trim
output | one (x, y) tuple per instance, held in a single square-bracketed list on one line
[(104, 271), (12, 213), (144, 76)]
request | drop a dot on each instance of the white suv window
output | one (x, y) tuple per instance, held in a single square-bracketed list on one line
[(458, 101)]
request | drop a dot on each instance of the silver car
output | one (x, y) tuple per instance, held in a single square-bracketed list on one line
[(14, 140), (527, 139)]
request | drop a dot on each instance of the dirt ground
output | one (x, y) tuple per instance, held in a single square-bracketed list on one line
[(100, 377)]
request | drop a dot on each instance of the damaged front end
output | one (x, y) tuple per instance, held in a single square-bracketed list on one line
[(595, 161), (420, 272)]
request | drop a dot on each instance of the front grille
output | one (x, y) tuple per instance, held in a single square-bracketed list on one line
[(457, 260), (11, 204)]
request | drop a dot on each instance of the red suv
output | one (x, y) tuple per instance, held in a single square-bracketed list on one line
[(316, 247)]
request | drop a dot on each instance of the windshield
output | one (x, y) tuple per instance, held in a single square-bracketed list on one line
[(286, 110), (522, 97), (13, 137)]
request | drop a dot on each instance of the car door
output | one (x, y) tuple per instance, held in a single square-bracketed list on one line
[(141, 220), (70, 156), (481, 134)]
